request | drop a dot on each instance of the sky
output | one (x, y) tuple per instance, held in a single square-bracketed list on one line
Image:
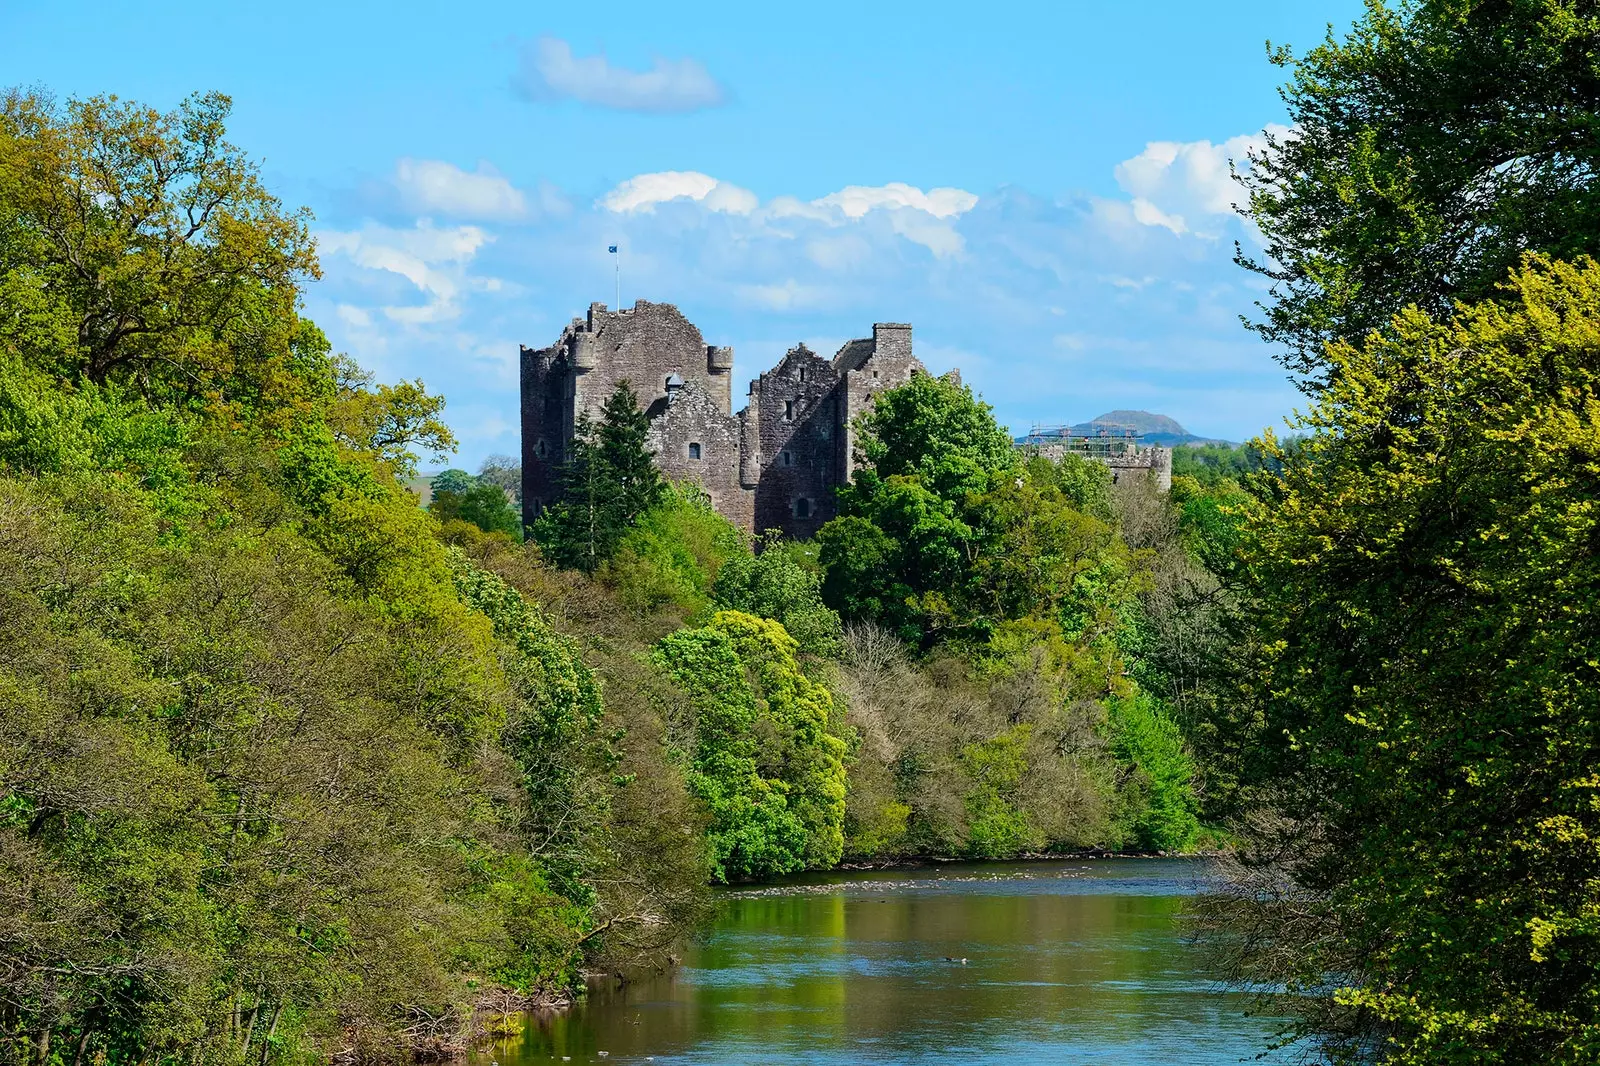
[(1042, 190)]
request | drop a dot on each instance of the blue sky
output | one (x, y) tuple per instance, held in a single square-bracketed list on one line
[(1041, 189)]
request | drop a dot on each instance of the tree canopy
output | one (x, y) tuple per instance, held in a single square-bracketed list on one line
[(1430, 149)]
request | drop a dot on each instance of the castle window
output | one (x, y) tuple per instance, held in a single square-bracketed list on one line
[(802, 373), (785, 459), (788, 410), (541, 448), (694, 449), (874, 373), (536, 506), (824, 430), (802, 507)]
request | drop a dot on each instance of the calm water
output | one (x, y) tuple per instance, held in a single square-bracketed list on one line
[(1074, 962)]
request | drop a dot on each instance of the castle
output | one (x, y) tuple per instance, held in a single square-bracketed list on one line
[(776, 463), (773, 465)]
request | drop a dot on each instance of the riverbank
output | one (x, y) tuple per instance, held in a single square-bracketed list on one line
[(1063, 960)]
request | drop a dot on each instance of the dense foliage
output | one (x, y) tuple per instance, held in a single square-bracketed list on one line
[(759, 747), (1425, 584), (459, 496), (1430, 148), (279, 774)]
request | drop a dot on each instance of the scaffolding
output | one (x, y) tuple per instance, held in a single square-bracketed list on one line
[(1106, 440)]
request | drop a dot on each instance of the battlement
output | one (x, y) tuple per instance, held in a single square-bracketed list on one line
[(773, 465)]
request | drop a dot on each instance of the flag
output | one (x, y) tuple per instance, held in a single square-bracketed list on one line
[(612, 249)]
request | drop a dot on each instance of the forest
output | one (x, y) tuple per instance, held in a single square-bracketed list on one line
[(294, 768)]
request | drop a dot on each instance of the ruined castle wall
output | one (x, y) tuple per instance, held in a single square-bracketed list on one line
[(888, 364), (694, 440), (545, 425), (797, 407), (644, 345), (774, 465), (1152, 462)]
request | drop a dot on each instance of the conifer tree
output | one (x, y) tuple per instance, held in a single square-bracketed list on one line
[(608, 480)]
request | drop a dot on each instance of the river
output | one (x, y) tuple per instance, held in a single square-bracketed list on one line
[(1061, 962)]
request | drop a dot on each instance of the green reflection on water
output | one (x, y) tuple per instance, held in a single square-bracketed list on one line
[(1065, 963)]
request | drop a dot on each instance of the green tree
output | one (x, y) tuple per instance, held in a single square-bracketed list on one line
[(1430, 149), (903, 546), (777, 583), (763, 757), (1158, 788), (1426, 592), (673, 554), (457, 495), (144, 250), (608, 481)]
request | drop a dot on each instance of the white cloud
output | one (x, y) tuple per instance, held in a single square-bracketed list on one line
[(1107, 301), (549, 71), (921, 217), (856, 200), (430, 185), (1187, 186), (785, 296), (431, 259), (1148, 214), (644, 192)]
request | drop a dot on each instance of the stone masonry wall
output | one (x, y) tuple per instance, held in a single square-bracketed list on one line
[(774, 465), (799, 434)]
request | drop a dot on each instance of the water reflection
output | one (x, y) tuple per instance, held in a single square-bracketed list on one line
[(1069, 963)]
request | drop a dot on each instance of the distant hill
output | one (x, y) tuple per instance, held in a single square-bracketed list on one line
[(1153, 428), (1142, 422)]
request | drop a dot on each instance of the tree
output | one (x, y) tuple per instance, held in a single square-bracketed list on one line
[(903, 545), (608, 481), (777, 584), (763, 757), (460, 496), (1426, 593), (149, 245), (504, 471), (1430, 148)]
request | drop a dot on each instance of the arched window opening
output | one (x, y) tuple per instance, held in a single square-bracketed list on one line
[(802, 507), (694, 449)]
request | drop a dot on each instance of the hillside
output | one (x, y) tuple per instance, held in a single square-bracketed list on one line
[(1153, 428)]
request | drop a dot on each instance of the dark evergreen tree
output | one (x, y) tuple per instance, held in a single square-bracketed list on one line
[(608, 480)]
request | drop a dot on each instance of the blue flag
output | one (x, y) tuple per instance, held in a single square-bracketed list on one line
[(612, 249)]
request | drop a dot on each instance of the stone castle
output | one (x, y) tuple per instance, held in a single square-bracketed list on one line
[(772, 465)]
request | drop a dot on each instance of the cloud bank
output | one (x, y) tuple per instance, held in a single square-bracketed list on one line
[(1055, 307), (549, 71)]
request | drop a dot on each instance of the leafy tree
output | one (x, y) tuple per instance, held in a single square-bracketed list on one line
[(763, 758), (903, 545), (673, 554), (608, 481), (144, 250), (1430, 148), (1425, 589), (457, 495), (777, 584), (1158, 793), (998, 827)]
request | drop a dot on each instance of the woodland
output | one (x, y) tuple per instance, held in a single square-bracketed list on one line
[(293, 768)]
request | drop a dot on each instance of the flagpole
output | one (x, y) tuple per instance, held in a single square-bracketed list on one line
[(616, 259)]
